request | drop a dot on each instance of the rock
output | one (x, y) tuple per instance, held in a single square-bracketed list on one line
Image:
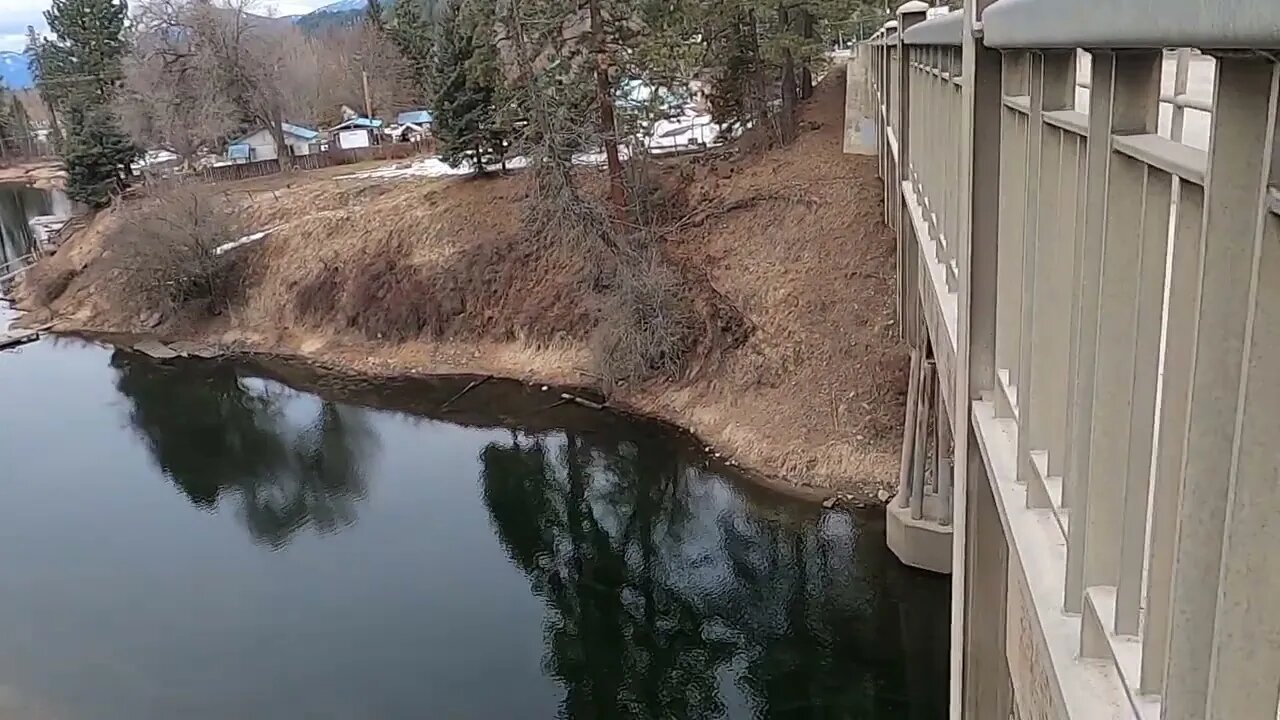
[(829, 502), (882, 495), (194, 349), (150, 320), (155, 349)]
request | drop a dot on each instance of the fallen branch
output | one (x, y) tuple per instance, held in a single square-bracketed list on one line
[(471, 386), (582, 401)]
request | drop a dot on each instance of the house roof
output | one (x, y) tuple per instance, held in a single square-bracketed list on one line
[(416, 117), (297, 131), (357, 122), (302, 132)]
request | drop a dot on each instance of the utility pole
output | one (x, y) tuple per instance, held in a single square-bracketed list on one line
[(368, 106)]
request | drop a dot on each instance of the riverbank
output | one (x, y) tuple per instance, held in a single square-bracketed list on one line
[(788, 245)]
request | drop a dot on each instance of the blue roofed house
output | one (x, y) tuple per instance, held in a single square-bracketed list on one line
[(412, 125), (260, 144), (421, 118), (355, 132)]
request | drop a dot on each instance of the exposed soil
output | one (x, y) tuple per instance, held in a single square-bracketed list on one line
[(799, 377)]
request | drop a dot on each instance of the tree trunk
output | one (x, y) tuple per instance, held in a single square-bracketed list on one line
[(608, 124), (788, 120), (275, 125), (759, 106), (806, 73)]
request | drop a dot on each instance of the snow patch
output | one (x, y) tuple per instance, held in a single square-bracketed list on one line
[(228, 247)]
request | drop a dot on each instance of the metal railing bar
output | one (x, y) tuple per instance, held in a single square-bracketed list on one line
[(1133, 25), (1182, 100), (1070, 120), (1021, 103), (1174, 158)]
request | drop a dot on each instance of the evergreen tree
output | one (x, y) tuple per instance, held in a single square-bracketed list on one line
[(80, 70), (463, 104), (47, 91), (412, 33), (374, 14), (97, 155), (20, 126), (8, 131)]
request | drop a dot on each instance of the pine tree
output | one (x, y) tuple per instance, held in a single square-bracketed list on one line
[(463, 104), (412, 33), (47, 91), (80, 71), (20, 126), (97, 155), (373, 14)]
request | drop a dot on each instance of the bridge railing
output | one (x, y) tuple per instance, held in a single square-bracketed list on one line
[(1118, 324)]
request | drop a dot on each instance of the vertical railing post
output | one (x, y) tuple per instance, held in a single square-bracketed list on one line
[(910, 14), (1184, 273), (1042, 406), (1135, 91), (1084, 320), (1246, 651), (1013, 178), (1178, 114), (1204, 637), (1020, 375), (979, 577)]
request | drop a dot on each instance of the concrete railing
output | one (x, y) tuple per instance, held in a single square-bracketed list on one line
[(1102, 302)]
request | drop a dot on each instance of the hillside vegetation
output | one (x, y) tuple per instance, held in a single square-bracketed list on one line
[(756, 312)]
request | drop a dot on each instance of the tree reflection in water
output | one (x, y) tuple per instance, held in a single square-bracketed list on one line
[(670, 595), (221, 440)]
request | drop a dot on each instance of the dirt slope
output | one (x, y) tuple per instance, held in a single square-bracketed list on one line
[(789, 242)]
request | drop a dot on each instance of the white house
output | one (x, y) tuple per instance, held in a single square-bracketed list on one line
[(354, 132), (261, 145)]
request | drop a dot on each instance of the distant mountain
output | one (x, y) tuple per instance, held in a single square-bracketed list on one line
[(342, 6), (14, 70), (342, 12)]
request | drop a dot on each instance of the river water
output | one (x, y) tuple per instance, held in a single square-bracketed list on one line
[(200, 540)]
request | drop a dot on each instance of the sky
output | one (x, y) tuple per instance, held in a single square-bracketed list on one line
[(16, 15)]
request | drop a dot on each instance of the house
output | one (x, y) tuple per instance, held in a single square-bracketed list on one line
[(421, 118), (355, 132), (411, 126), (260, 144)]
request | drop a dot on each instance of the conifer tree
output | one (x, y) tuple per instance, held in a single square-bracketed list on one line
[(412, 33), (81, 68), (374, 15), (465, 119)]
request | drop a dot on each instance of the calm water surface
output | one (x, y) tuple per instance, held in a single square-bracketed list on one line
[(191, 540)]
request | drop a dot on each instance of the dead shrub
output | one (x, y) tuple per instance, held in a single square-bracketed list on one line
[(648, 323), (172, 252)]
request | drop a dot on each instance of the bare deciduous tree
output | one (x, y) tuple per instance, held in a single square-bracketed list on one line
[(173, 97)]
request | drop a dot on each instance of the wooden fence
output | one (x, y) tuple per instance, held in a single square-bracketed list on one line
[(318, 160)]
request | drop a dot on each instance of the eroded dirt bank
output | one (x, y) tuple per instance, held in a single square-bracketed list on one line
[(798, 376)]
